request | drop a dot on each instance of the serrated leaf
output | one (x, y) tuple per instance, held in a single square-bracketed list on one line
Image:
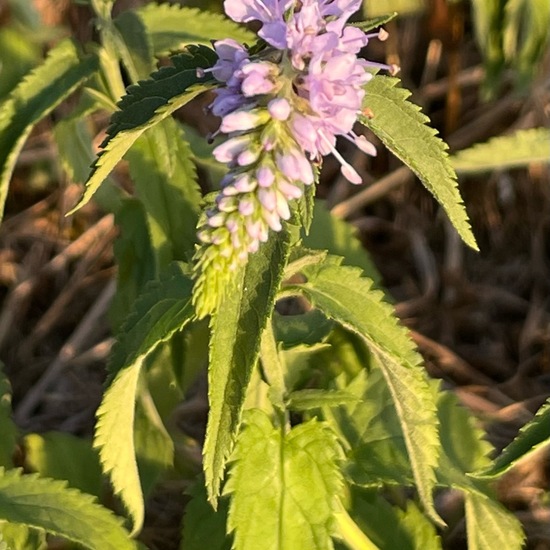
[(34, 98), (293, 478), (234, 348), (8, 430), (65, 457), (344, 296), (375, 22), (163, 309), (165, 180), (489, 526), (304, 400), (204, 528), (171, 27), (532, 437), (519, 149), (48, 504), (402, 128), (146, 104)]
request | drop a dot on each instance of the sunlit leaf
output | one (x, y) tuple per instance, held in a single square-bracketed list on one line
[(346, 297), (293, 478), (48, 504), (403, 128), (234, 347), (163, 309)]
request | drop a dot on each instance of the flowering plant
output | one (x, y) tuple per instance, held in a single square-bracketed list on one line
[(323, 428)]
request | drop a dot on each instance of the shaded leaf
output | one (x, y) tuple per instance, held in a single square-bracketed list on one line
[(504, 152), (34, 98), (65, 457), (166, 183), (292, 478), (202, 526), (304, 400), (403, 128), (234, 348), (48, 504)]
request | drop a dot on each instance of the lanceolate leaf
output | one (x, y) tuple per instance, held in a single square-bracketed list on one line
[(146, 104), (166, 182), (504, 152), (34, 98), (234, 347), (48, 504), (162, 310), (402, 128), (171, 27), (489, 526), (343, 295), (533, 436), (284, 487)]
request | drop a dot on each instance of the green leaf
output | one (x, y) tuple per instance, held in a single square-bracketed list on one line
[(375, 22), (17, 536), (505, 152), (153, 445), (344, 296), (304, 400), (292, 478), (372, 432), (135, 48), (8, 430), (307, 328), (65, 457), (330, 233), (402, 128), (48, 504), (165, 179), (532, 437), (410, 529), (234, 348), (204, 528), (34, 98), (135, 257), (146, 104), (163, 309), (489, 526), (172, 27)]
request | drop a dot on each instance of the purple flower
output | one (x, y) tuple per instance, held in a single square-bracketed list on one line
[(269, 12)]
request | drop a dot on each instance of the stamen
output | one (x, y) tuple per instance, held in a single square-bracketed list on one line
[(347, 169)]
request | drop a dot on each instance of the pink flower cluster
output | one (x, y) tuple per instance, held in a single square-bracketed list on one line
[(282, 109)]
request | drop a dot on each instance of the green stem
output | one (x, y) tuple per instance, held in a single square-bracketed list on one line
[(352, 536)]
